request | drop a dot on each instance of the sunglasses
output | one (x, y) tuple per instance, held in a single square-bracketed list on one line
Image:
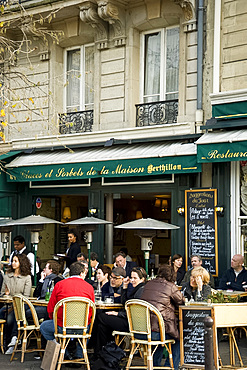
[(115, 277)]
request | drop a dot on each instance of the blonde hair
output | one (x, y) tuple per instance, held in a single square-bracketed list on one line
[(201, 271)]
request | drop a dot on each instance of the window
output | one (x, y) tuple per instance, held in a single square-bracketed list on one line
[(160, 65), (79, 83)]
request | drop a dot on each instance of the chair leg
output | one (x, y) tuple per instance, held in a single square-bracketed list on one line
[(117, 339), (15, 347), (170, 355), (2, 328), (149, 358), (132, 351), (62, 352), (145, 353), (84, 349), (24, 345)]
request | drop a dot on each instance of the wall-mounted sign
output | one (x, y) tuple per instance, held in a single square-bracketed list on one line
[(38, 203), (111, 169), (222, 152), (201, 236)]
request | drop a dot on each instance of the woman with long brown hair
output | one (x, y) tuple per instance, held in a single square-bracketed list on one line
[(177, 264), (16, 281)]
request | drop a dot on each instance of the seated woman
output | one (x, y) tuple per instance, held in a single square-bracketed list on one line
[(197, 288), (113, 320), (177, 262), (16, 281), (102, 275), (162, 293)]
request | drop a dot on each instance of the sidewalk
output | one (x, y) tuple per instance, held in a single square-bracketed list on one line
[(30, 363)]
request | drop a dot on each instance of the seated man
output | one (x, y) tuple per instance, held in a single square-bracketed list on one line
[(113, 287), (196, 261), (49, 274), (94, 263), (235, 278), (120, 261), (74, 286)]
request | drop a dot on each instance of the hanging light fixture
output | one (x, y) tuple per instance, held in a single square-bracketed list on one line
[(157, 202), (164, 205), (67, 213)]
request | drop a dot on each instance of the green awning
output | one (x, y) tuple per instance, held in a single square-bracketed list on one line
[(116, 161), (230, 110), (222, 146), (9, 154)]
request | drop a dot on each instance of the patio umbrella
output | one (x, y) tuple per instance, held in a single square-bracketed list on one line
[(89, 224), (34, 223), (146, 229)]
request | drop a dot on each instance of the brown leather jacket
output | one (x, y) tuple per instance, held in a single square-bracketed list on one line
[(166, 297)]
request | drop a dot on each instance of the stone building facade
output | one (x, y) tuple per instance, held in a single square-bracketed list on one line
[(129, 75)]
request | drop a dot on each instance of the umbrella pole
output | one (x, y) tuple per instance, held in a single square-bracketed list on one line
[(89, 265), (146, 257), (89, 239), (4, 239), (35, 242)]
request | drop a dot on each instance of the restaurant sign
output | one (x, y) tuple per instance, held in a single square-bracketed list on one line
[(222, 152), (115, 168)]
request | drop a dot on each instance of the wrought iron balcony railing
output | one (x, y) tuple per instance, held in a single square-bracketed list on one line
[(76, 122), (156, 113)]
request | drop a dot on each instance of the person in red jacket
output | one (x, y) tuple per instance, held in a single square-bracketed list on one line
[(75, 285)]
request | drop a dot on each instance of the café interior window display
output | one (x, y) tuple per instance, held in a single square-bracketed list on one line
[(79, 78)]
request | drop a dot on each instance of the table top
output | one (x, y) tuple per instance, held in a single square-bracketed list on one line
[(42, 302), (233, 294), (108, 306)]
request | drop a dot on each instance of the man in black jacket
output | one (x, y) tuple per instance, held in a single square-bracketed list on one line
[(120, 261), (235, 278)]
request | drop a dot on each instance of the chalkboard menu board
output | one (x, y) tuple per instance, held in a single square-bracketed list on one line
[(191, 320), (201, 227)]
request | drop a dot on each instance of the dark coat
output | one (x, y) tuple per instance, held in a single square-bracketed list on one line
[(37, 291), (234, 283), (108, 291), (180, 275), (188, 292), (135, 293), (166, 297), (129, 266), (74, 249)]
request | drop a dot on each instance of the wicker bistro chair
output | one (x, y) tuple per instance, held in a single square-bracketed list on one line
[(138, 313), (75, 325), (24, 329), (2, 323)]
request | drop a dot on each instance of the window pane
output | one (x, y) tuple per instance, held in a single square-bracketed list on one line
[(89, 77), (73, 80), (172, 63), (152, 67)]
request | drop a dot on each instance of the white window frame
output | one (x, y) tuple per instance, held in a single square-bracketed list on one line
[(82, 48), (163, 51)]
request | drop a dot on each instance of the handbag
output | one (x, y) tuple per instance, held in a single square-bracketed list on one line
[(109, 357)]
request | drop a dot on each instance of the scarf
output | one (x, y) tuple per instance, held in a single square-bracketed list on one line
[(46, 284)]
